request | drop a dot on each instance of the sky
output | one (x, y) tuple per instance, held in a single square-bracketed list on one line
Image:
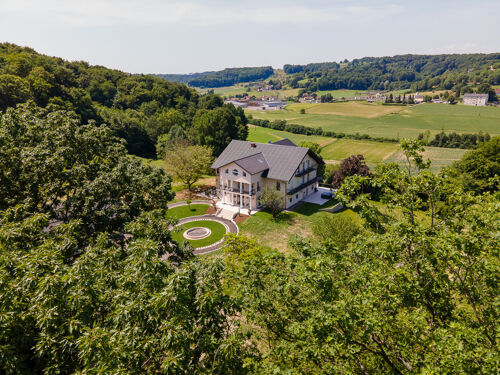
[(163, 36)]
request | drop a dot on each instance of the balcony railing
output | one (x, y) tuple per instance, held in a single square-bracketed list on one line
[(237, 190), (302, 186), (304, 171)]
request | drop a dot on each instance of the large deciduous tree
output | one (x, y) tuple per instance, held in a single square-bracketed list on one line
[(187, 163), (216, 128), (53, 165), (353, 165)]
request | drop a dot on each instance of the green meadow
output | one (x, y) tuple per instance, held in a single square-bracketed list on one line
[(389, 121), (334, 150)]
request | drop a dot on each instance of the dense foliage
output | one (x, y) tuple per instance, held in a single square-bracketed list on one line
[(90, 279), (226, 77), (416, 72), (479, 169), (351, 166), (138, 108), (416, 293), (455, 140)]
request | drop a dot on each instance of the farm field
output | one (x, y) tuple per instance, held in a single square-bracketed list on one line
[(335, 150), (373, 152), (355, 109), (440, 157), (390, 121), (264, 135)]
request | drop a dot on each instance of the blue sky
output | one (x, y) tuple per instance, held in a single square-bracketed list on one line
[(161, 36)]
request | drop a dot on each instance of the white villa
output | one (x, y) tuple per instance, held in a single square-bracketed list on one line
[(475, 99), (245, 168)]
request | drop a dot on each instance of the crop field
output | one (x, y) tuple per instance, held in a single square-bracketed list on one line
[(440, 157), (334, 150), (264, 135), (390, 121), (374, 152), (354, 109)]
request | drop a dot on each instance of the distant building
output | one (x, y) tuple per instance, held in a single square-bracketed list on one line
[(237, 103), (418, 98), (274, 104), (475, 99)]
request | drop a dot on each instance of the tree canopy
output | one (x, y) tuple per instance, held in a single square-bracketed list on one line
[(138, 108)]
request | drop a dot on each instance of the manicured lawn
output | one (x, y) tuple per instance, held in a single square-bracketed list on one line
[(218, 231), (276, 233), (407, 121), (184, 211)]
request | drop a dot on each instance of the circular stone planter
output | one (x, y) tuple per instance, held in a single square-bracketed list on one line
[(197, 233)]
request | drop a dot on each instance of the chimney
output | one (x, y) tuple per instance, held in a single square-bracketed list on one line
[(253, 145)]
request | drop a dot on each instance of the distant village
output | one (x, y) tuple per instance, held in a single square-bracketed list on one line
[(273, 102)]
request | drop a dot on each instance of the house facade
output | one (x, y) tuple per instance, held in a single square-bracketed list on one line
[(475, 99), (245, 169)]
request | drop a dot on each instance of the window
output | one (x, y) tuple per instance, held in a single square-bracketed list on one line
[(227, 171), (235, 172), (308, 163), (217, 171), (278, 186), (244, 174), (258, 186), (303, 178), (296, 196), (290, 200)]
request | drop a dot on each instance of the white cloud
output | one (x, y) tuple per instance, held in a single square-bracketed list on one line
[(202, 13)]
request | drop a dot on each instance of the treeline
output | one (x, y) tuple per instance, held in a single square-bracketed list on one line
[(455, 140), (231, 76), (138, 108), (415, 72), (226, 77), (182, 78), (307, 130)]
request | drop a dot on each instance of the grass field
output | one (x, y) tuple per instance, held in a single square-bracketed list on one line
[(440, 157), (276, 233), (354, 109), (335, 150), (264, 135), (218, 231), (374, 152), (186, 211), (390, 121)]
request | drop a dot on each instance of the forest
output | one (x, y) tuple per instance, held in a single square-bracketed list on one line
[(226, 77), (138, 108), (415, 72)]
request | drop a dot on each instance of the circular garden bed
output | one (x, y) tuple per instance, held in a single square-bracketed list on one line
[(214, 230)]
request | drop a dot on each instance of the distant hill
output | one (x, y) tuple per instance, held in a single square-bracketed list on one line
[(226, 77), (416, 72), (182, 78)]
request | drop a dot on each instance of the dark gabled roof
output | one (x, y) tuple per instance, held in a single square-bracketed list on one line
[(282, 161), (284, 142), (253, 164)]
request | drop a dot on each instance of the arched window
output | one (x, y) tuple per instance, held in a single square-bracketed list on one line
[(235, 172)]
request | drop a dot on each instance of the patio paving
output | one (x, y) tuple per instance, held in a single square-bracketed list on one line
[(316, 197)]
